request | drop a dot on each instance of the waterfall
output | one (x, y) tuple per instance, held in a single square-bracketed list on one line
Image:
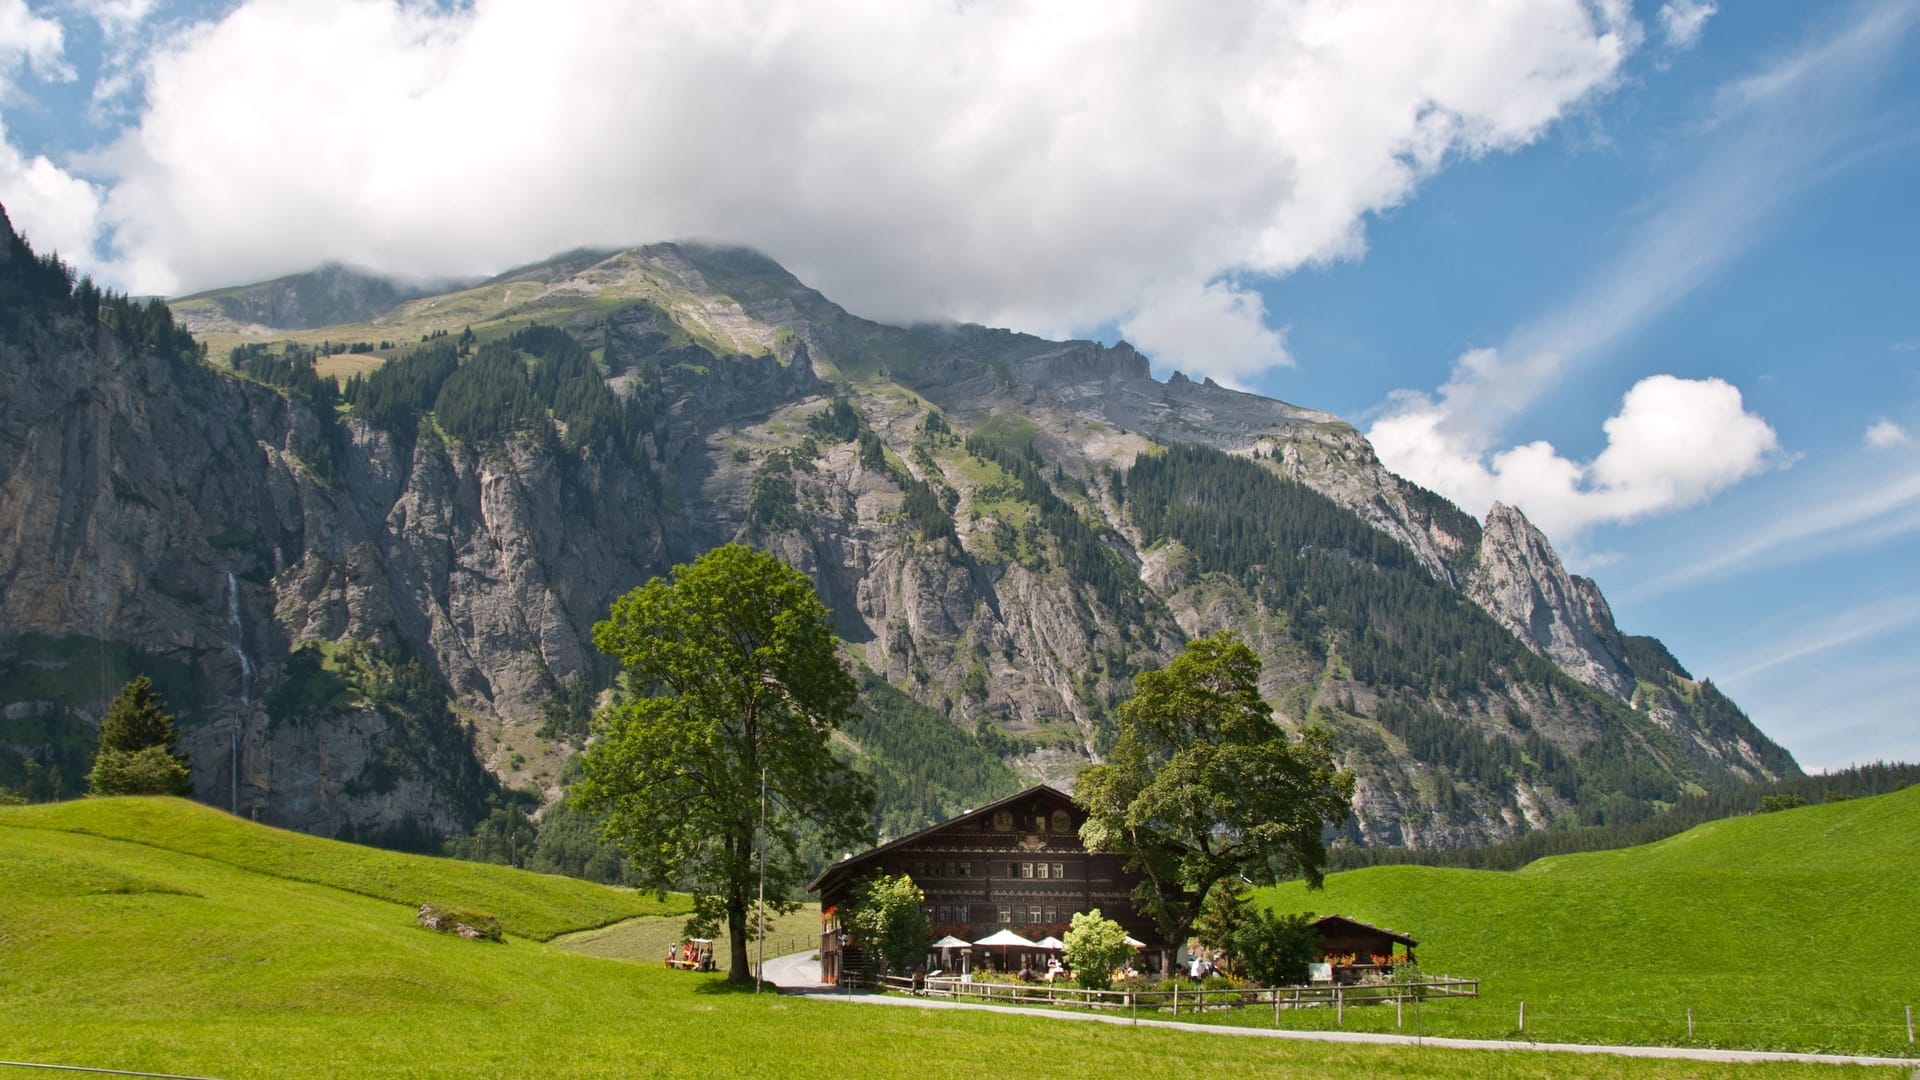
[(233, 623)]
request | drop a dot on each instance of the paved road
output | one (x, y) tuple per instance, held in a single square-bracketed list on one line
[(1681, 1052), (798, 972)]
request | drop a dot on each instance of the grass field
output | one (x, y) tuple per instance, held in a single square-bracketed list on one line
[(1794, 930), (157, 935)]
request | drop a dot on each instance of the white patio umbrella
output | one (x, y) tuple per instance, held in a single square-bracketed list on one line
[(1004, 939), (947, 943), (1136, 943), (1051, 943)]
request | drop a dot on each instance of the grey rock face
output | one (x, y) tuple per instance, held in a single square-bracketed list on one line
[(1519, 580)]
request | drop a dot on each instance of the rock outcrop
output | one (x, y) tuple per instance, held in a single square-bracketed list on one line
[(1519, 580)]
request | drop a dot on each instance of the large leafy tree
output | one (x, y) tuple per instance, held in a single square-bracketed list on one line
[(1204, 787), (889, 920), (137, 738), (731, 681)]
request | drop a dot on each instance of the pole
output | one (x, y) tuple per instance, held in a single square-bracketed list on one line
[(760, 915), (1909, 1025), (1523, 1016), (1689, 1023)]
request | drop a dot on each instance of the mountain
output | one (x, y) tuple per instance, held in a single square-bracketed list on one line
[(377, 597)]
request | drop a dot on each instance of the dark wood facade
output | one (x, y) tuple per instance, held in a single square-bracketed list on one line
[(1016, 864), (1340, 935)]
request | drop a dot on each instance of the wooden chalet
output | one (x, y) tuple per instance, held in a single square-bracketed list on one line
[(1016, 864)]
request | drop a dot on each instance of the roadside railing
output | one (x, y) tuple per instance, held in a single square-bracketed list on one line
[(1192, 1000)]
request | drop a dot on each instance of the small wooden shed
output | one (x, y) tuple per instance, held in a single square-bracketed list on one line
[(1339, 934)]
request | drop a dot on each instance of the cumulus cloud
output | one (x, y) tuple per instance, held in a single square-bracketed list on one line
[(1884, 434), (1217, 329), (57, 210), (1026, 163), (1683, 21), (1673, 444), (29, 41)]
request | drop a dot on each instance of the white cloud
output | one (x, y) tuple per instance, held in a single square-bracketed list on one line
[(1673, 444), (1027, 163), (1217, 329), (29, 41), (1772, 135), (55, 209), (1885, 434), (1683, 21)]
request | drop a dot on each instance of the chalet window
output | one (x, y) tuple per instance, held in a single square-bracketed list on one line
[(1051, 917), (1033, 915), (1026, 869), (1006, 916), (966, 869), (1060, 870), (1013, 869), (1061, 822), (1043, 871)]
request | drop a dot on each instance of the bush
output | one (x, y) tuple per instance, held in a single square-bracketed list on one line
[(152, 771), (1274, 950), (1095, 948)]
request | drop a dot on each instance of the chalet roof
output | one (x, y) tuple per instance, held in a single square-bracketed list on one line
[(853, 862), (1338, 923)]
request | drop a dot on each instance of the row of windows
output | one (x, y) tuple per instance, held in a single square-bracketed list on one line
[(920, 871), (923, 871), (962, 913)]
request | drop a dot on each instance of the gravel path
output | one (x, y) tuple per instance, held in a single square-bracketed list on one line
[(811, 969)]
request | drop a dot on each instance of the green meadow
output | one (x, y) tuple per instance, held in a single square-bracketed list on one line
[(158, 935), (1795, 930)]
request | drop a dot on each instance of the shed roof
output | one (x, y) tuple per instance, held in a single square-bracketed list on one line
[(1336, 924)]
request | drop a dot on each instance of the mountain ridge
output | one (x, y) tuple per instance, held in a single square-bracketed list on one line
[(959, 495)]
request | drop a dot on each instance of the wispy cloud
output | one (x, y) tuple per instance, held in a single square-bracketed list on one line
[(1768, 139), (1683, 21), (1862, 623), (1858, 510)]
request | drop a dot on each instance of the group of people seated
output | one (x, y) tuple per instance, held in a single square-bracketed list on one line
[(692, 955), (1032, 972)]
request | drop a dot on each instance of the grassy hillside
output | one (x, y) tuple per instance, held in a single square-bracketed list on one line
[(1787, 930), (537, 906), (188, 943)]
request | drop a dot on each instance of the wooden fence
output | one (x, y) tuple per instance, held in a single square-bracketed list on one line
[(1179, 999)]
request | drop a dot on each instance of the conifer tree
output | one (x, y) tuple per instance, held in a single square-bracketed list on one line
[(137, 739)]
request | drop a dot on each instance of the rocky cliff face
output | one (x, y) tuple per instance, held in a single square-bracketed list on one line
[(281, 564), (1519, 580)]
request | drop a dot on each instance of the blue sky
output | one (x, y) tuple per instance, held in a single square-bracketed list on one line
[(1646, 270)]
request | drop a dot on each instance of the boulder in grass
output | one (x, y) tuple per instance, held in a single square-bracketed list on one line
[(468, 924)]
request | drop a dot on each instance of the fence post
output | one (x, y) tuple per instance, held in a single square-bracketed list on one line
[(1276, 1006), (1523, 1016), (1909, 1025), (1176, 998), (1339, 1006), (1689, 1023), (1396, 1013)]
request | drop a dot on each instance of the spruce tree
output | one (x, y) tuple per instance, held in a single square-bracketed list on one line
[(137, 738)]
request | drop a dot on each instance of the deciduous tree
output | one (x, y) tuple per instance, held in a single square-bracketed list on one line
[(1203, 786), (1095, 947), (731, 680), (889, 920)]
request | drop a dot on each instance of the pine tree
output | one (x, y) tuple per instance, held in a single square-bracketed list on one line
[(137, 738)]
